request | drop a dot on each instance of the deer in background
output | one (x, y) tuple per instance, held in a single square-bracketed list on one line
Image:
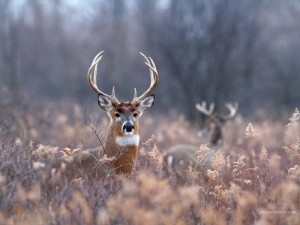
[(122, 140), (178, 158), (215, 122)]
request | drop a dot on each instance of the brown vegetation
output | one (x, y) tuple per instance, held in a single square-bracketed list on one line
[(254, 177)]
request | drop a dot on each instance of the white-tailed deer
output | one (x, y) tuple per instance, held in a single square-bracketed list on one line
[(214, 122), (122, 140), (178, 158)]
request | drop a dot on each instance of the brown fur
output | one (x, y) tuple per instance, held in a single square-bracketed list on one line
[(215, 126), (120, 158), (124, 163)]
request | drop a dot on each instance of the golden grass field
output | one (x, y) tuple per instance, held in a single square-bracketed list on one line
[(255, 177)]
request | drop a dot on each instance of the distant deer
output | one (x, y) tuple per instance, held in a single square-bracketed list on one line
[(215, 122), (178, 158), (122, 139)]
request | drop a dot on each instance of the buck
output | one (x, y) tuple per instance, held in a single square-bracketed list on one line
[(178, 158), (214, 122), (122, 140)]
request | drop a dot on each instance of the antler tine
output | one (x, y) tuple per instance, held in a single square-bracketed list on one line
[(154, 80), (202, 108), (135, 94), (95, 62), (232, 110), (113, 93), (211, 107), (92, 78)]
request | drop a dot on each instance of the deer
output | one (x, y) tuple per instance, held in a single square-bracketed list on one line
[(214, 122), (122, 137), (179, 158)]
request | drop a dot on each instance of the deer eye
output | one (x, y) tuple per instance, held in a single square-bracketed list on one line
[(117, 115), (135, 115)]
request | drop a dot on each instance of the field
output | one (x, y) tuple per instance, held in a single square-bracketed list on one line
[(254, 177)]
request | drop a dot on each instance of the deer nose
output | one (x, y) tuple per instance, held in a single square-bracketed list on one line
[(128, 127)]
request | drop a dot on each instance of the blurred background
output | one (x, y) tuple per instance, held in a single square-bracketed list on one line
[(214, 50)]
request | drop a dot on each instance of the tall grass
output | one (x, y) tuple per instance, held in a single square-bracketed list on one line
[(254, 178)]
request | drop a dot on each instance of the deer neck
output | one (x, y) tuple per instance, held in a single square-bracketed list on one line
[(123, 148)]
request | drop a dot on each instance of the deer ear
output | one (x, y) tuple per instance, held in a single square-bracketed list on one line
[(147, 103), (105, 103)]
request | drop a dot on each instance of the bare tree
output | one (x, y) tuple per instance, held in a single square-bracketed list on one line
[(9, 48), (214, 50), (205, 47)]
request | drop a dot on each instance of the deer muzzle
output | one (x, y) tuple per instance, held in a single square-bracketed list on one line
[(128, 128)]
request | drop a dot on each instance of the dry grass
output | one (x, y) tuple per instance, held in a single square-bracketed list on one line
[(254, 178)]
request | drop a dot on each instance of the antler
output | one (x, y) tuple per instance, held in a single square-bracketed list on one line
[(154, 80), (92, 79), (202, 108), (232, 110)]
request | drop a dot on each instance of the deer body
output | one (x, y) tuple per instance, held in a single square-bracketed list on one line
[(180, 159), (122, 140), (123, 151), (179, 156), (217, 135)]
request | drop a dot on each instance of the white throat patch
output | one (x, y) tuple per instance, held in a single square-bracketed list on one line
[(128, 140)]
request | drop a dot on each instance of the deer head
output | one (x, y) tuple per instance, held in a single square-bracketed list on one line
[(214, 121)]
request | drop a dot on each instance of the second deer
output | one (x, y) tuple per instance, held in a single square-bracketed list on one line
[(215, 122), (179, 158)]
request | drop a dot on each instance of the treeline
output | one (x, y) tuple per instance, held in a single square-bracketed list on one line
[(218, 50)]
